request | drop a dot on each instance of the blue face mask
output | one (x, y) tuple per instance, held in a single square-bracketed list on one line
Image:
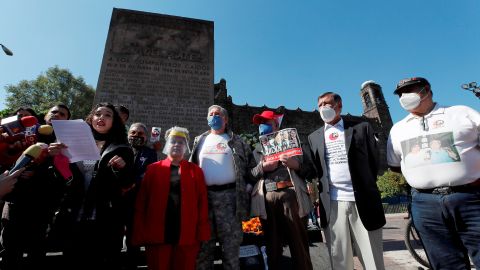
[(215, 122), (265, 129)]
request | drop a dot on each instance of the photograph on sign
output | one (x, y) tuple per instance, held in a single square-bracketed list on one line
[(155, 134), (285, 141)]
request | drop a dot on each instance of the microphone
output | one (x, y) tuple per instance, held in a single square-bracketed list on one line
[(12, 125), (11, 149), (45, 130), (28, 121), (62, 164), (30, 124), (45, 134), (31, 153)]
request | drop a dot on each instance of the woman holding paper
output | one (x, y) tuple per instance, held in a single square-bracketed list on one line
[(171, 212), (96, 237)]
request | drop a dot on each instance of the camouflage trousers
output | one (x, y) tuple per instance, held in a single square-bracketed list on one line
[(226, 229)]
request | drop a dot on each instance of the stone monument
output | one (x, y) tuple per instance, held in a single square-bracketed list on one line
[(160, 67)]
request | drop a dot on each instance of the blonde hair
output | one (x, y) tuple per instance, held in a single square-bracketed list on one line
[(177, 131)]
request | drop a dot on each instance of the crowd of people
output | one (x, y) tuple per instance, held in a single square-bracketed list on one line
[(180, 207)]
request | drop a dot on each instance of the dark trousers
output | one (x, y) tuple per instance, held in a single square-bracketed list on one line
[(133, 256), (94, 245), (24, 232), (449, 226), (284, 225)]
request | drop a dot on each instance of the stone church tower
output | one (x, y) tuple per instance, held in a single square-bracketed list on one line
[(376, 109)]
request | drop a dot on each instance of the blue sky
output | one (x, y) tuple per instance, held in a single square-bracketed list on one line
[(271, 52)]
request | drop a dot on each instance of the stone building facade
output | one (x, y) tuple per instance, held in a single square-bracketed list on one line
[(375, 111)]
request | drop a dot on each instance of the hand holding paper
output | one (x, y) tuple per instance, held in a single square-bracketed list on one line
[(269, 166), (56, 148), (289, 162), (77, 136)]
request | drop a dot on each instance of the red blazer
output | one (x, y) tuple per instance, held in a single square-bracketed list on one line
[(151, 204)]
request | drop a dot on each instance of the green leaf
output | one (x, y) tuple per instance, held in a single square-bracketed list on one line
[(391, 184)]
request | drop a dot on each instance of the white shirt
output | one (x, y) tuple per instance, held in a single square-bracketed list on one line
[(336, 159), (216, 159), (439, 149)]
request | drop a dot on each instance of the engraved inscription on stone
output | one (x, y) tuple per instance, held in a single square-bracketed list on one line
[(160, 67)]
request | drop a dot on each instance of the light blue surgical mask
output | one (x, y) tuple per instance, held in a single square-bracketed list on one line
[(215, 122), (265, 129)]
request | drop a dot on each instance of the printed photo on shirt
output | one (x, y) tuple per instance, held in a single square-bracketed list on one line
[(429, 149), (219, 148)]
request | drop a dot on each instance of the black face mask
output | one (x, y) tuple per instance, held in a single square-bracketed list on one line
[(136, 141)]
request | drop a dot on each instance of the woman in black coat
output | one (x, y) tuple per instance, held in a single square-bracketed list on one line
[(94, 198)]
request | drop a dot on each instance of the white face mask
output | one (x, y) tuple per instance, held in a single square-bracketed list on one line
[(410, 101), (327, 113)]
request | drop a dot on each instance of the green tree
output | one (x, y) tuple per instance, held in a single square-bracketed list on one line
[(250, 138), (5, 113), (391, 184), (57, 85)]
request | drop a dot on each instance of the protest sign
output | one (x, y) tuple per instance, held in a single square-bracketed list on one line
[(285, 141)]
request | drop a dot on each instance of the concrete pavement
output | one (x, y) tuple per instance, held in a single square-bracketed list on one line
[(395, 253), (396, 256)]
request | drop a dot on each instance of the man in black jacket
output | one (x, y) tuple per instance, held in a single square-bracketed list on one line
[(143, 156), (345, 156)]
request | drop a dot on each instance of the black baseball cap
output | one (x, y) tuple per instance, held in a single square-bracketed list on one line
[(410, 81)]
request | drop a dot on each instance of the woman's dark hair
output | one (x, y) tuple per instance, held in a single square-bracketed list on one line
[(30, 110), (118, 132)]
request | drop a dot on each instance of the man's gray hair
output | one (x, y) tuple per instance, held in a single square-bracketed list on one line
[(223, 111), (142, 125)]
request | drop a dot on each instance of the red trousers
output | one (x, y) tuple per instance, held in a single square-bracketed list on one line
[(169, 257)]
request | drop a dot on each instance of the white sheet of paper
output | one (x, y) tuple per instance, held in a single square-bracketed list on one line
[(77, 135)]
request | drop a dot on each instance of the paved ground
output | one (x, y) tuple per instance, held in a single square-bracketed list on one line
[(395, 254)]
